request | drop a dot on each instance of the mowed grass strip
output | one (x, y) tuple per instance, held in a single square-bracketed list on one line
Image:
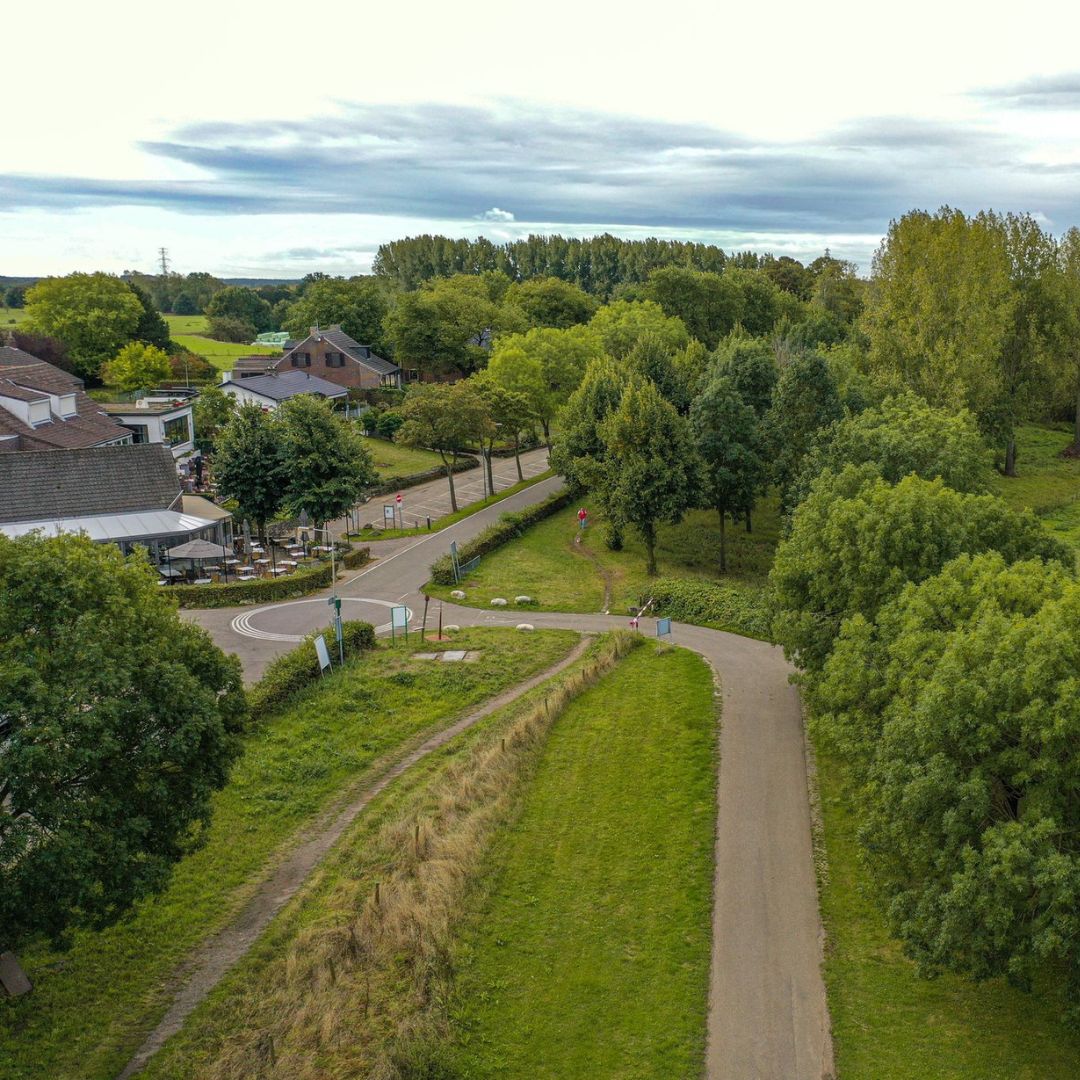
[(560, 574), (92, 1004), (590, 957), (889, 1023)]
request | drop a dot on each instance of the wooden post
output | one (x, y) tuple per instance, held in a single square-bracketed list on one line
[(423, 625)]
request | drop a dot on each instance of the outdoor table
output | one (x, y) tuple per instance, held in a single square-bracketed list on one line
[(296, 551), (163, 582), (261, 562), (322, 547), (232, 562), (203, 581), (287, 562), (216, 569), (278, 570)]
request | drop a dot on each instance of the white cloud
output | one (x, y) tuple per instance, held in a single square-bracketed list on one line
[(495, 214)]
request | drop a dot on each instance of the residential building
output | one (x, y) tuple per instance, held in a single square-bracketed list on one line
[(269, 391), (159, 418), (45, 408), (332, 355), (127, 495)]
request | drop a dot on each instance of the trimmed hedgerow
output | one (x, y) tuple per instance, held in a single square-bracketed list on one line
[(741, 609), (508, 527), (299, 667), (356, 557), (264, 590)]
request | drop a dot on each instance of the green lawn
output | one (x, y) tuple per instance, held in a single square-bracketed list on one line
[(590, 955), (187, 324), (560, 574), (393, 460), (11, 317), (890, 1024), (1046, 482), (92, 1003), (221, 354)]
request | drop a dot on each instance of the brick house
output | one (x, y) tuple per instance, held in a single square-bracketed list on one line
[(332, 355)]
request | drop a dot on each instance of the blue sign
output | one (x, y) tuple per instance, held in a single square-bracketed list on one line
[(663, 628)]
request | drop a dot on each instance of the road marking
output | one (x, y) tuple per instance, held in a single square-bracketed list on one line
[(242, 623)]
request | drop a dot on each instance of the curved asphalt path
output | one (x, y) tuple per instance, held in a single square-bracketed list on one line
[(768, 1017)]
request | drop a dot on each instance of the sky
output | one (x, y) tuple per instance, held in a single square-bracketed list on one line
[(270, 139)]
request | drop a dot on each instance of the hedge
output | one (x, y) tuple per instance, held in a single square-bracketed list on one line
[(509, 527), (263, 590), (741, 609), (356, 557), (292, 671)]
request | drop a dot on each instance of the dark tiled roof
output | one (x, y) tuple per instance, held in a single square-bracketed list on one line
[(50, 484), (90, 426), (289, 384), (20, 393), (362, 354)]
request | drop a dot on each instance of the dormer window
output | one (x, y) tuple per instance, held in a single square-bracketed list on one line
[(40, 413)]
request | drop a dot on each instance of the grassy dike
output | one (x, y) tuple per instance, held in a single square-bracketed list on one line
[(350, 981), (588, 949), (92, 1003)]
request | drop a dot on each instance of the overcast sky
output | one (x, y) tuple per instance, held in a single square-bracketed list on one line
[(271, 139)]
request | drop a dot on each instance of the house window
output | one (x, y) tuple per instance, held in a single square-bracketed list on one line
[(139, 433), (177, 431), (335, 359), (295, 359)]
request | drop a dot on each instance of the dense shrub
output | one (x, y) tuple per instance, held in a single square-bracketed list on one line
[(742, 609), (226, 328), (265, 590), (299, 667), (508, 527), (356, 557)]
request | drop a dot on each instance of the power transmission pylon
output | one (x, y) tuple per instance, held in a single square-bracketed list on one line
[(163, 254)]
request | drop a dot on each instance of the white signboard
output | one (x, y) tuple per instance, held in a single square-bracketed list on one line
[(388, 512), (399, 617), (324, 656)]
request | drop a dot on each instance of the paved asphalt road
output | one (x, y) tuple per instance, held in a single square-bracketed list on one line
[(432, 500), (768, 1018)]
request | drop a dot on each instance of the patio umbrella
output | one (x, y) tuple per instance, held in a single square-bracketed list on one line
[(198, 549)]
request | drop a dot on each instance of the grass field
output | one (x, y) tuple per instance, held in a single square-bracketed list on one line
[(221, 354), (11, 317), (590, 956), (890, 1024), (393, 460), (1046, 482), (91, 1003), (561, 575), (187, 324)]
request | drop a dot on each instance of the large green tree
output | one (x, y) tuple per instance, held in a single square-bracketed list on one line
[(969, 767), (856, 541), (329, 466), (650, 477), (653, 359), (95, 315), (212, 410), (511, 414), (750, 363), (358, 305), (805, 401), (243, 304), (903, 435), (250, 465), (709, 305), (1067, 352), (152, 328), (619, 325), (552, 302), (119, 720), (727, 436), (137, 366), (545, 365), (446, 418)]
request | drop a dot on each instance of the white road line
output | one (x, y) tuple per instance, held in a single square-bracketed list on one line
[(242, 623)]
